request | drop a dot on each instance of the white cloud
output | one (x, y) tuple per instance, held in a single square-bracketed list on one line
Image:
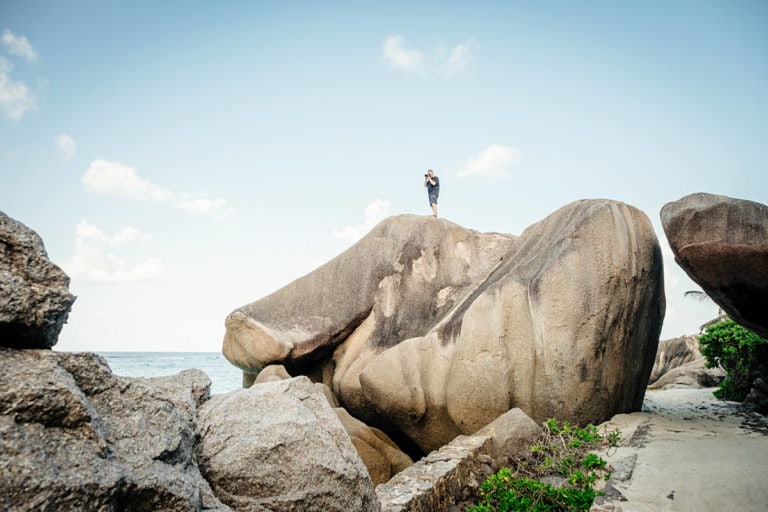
[(459, 58), (202, 206), (93, 263), (15, 97), (66, 145), (495, 161), (399, 56), (437, 62), (374, 213), (120, 180), (19, 46)]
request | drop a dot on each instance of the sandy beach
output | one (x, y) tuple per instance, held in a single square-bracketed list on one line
[(688, 451)]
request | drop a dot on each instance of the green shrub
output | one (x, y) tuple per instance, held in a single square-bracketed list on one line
[(562, 450), (742, 354), (503, 492)]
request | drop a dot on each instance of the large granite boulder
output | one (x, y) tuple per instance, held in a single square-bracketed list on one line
[(406, 273), (34, 293), (278, 446), (73, 437), (722, 244), (428, 330)]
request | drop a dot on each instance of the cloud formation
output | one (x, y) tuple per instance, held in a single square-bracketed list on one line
[(374, 213), (19, 46), (399, 56), (459, 58), (93, 262), (15, 97), (119, 180), (495, 161), (115, 179), (438, 62), (66, 145)]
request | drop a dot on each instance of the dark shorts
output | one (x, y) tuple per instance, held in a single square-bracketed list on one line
[(432, 199)]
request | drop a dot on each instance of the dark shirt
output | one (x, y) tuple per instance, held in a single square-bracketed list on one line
[(433, 189)]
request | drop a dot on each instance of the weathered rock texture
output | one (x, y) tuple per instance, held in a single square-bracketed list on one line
[(278, 446), (73, 436), (722, 244), (437, 482), (381, 456), (34, 293), (675, 352), (429, 330), (680, 364)]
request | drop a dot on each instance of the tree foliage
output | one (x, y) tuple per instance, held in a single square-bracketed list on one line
[(742, 354)]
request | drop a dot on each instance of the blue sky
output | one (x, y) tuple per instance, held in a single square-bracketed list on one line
[(181, 159)]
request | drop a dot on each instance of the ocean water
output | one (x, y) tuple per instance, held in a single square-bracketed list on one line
[(224, 377)]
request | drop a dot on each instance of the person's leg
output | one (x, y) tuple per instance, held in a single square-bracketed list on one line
[(434, 209)]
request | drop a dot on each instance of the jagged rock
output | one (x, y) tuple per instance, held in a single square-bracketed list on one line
[(279, 446), (34, 293), (438, 330), (722, 244), (73, 436)]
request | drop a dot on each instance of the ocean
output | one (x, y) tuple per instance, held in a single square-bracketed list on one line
[(224, 377)]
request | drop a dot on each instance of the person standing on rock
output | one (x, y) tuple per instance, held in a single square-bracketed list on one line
[(432, 184)]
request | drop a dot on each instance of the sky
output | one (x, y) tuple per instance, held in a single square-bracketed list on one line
[(182, 159)]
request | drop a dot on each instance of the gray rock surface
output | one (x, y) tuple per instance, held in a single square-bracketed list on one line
[(73, 436), (279, 446), (34, 293), (430, 330), (722, 244)]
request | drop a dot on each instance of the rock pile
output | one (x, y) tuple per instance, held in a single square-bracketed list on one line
[(73, 436), (427, 330)]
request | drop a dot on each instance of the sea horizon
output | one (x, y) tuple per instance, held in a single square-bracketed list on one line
[(224, 376)]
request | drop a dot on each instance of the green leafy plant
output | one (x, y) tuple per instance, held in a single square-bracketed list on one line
[(742, 354), (562, 450)]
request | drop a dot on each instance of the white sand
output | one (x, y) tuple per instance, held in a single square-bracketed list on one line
[(689, 452)]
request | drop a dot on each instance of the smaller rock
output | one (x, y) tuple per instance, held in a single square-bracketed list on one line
[(758, 396), (279, 446), (693, 374), (673, 353), (380, 454), (272, 373), (512, 433)]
